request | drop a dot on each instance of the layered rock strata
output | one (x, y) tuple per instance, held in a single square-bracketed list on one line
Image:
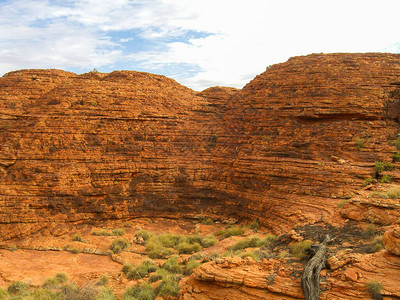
[(348, 277), (284, 150), (98, 146), (305, 134)]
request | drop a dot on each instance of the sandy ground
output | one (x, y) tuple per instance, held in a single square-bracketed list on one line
[(35, 266)]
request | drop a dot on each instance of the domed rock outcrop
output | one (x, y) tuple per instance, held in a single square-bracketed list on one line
[(286, 149), (99, 146), (305, 134)]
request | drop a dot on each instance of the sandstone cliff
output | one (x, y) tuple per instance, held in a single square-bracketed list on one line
[(305, 134), (285, 149)]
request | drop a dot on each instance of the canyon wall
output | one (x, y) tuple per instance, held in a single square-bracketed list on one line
[(285, 149), (305, 134)]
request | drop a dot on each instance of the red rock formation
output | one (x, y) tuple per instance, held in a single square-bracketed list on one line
[(241, 279), (307, 132), (127, 144), (97, 146), (234, 278), (391, 240), (219, 96)]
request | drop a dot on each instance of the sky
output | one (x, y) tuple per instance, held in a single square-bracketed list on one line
[(200, 43)]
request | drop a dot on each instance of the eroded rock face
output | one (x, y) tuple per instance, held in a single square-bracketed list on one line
[(391, 240), (284, 149), (307, 132), (99, 146), (276, 279), (242, 279)]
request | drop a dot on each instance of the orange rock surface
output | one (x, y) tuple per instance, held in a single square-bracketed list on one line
[(294, 146), (306, 133), (285, 149), (391, 240), (235, 278)]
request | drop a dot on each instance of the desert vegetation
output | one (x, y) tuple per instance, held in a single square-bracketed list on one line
[(56, 288), (166, 258)]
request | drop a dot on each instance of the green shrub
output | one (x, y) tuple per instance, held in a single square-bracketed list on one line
[(375, 288), (160, 274), (106, 294), (3, 294), (369, 180), (188, 268), (77, 237), (208, 241), (213, 256), (259, 254), (114, 232), (191, 239), (228, 232), (160, 252), (155, 278), (254, 225), (103, 280), (127, 267), (247, 243), (396, 156), (142, 291), (170, 240), (386, 179), (68, 291), (144, 234), (393, 193), (207, 221), (102, 232), (396, 143), (266, 242), (360, 143), (136, 273), (227, 253), (118, 245), (150, 265), (40, 294), (169, 287), (376, 247), (157, 250), (248, 254), (172, 266), (381, 166), (17, 287), (283, 254), (377, 244), (51, 283), (72, 292), (186, 248), (61, 277), (142, 270), (118, 232), (299, 249)]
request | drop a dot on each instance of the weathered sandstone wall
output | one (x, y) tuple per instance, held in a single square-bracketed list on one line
[(128, 144)]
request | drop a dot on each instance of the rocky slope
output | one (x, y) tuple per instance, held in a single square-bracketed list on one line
[(297, 145), (284, 150), (97, 146), (305, 134), (235, 278)]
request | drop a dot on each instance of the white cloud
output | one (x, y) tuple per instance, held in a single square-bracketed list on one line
[(244, 36), (254, 34)]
